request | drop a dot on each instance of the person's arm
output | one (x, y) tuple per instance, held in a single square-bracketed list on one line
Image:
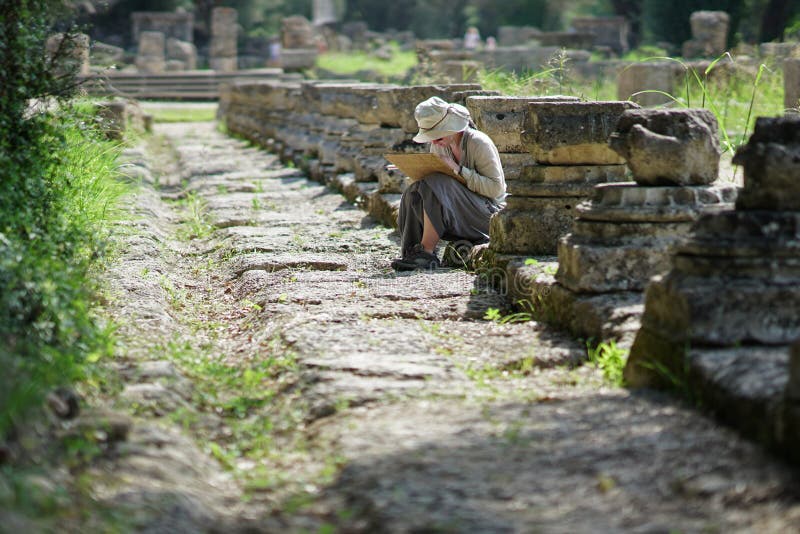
[(487, 177)]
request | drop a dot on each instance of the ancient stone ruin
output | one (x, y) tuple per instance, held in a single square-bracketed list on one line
[(223, 54), (567, 142), (178, 25), (70, 54), (151, 58), (608, 32), (181, 55), (723, 318), (625, 234), (645, 83), (709, 34), (299, 49)]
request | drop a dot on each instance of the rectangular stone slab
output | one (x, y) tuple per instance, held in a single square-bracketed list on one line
[(574, 173), (534, 229), (502, 117), (573, 133)]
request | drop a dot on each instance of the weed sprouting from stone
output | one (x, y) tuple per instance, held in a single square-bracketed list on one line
[(195, 224), (610, 359)]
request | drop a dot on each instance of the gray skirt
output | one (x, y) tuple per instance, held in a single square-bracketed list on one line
[(456, 213)]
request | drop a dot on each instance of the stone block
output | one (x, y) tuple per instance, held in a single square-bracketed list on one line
[(628, 202), (151, 44), (531, 225), (610, 32), (771, 161), (150, 64), (669, 146), (113, 118), (223, 19), (346, 100), (571, 40), (588, 266), (298, 58), (69, 54), (791, 85), (174, 65), (730, 311), (183, 51), (516, 35), (179, 25), (709, 34), (514, 163), (391, 181), (103, 54), (503, 117), (574, 133), (779, 51), (460, 71), (395, 106), (527, 188), (589, 174), (296, 32), (636, 80)]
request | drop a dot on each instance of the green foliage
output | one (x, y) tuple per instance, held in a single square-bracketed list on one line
[(353, 63), (736, 96), (495, 315), (56, 194), (181, 114), (610, 359)]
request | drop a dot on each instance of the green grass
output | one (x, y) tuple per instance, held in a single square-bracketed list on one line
[(183, 114), (354, 62), (49, 249), (735, 96)]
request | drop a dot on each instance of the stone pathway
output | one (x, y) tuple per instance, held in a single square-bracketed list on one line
[(283, 379)]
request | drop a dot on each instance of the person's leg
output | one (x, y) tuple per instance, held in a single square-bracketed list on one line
[(430, 238), (410, 219)]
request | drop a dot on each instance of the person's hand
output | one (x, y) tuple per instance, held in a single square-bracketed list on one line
[(450, 162)]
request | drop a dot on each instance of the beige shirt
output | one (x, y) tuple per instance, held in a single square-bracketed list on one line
[(480, 165)]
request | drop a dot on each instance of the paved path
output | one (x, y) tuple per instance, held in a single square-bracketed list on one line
[(382, 402)]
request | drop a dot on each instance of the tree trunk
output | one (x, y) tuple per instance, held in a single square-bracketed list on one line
[(774, 19)]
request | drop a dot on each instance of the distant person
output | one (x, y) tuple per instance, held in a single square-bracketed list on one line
[(491, 43), (275, 52), (439, 206), (472, 38)]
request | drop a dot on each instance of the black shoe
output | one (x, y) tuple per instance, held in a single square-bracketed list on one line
[(417, 258)]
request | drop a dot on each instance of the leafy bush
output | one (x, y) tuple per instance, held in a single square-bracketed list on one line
[(56, 193)]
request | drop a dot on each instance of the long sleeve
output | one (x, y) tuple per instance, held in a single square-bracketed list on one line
[(480, 166)]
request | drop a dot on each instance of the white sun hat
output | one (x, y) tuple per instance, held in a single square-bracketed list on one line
[(437, 118)]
